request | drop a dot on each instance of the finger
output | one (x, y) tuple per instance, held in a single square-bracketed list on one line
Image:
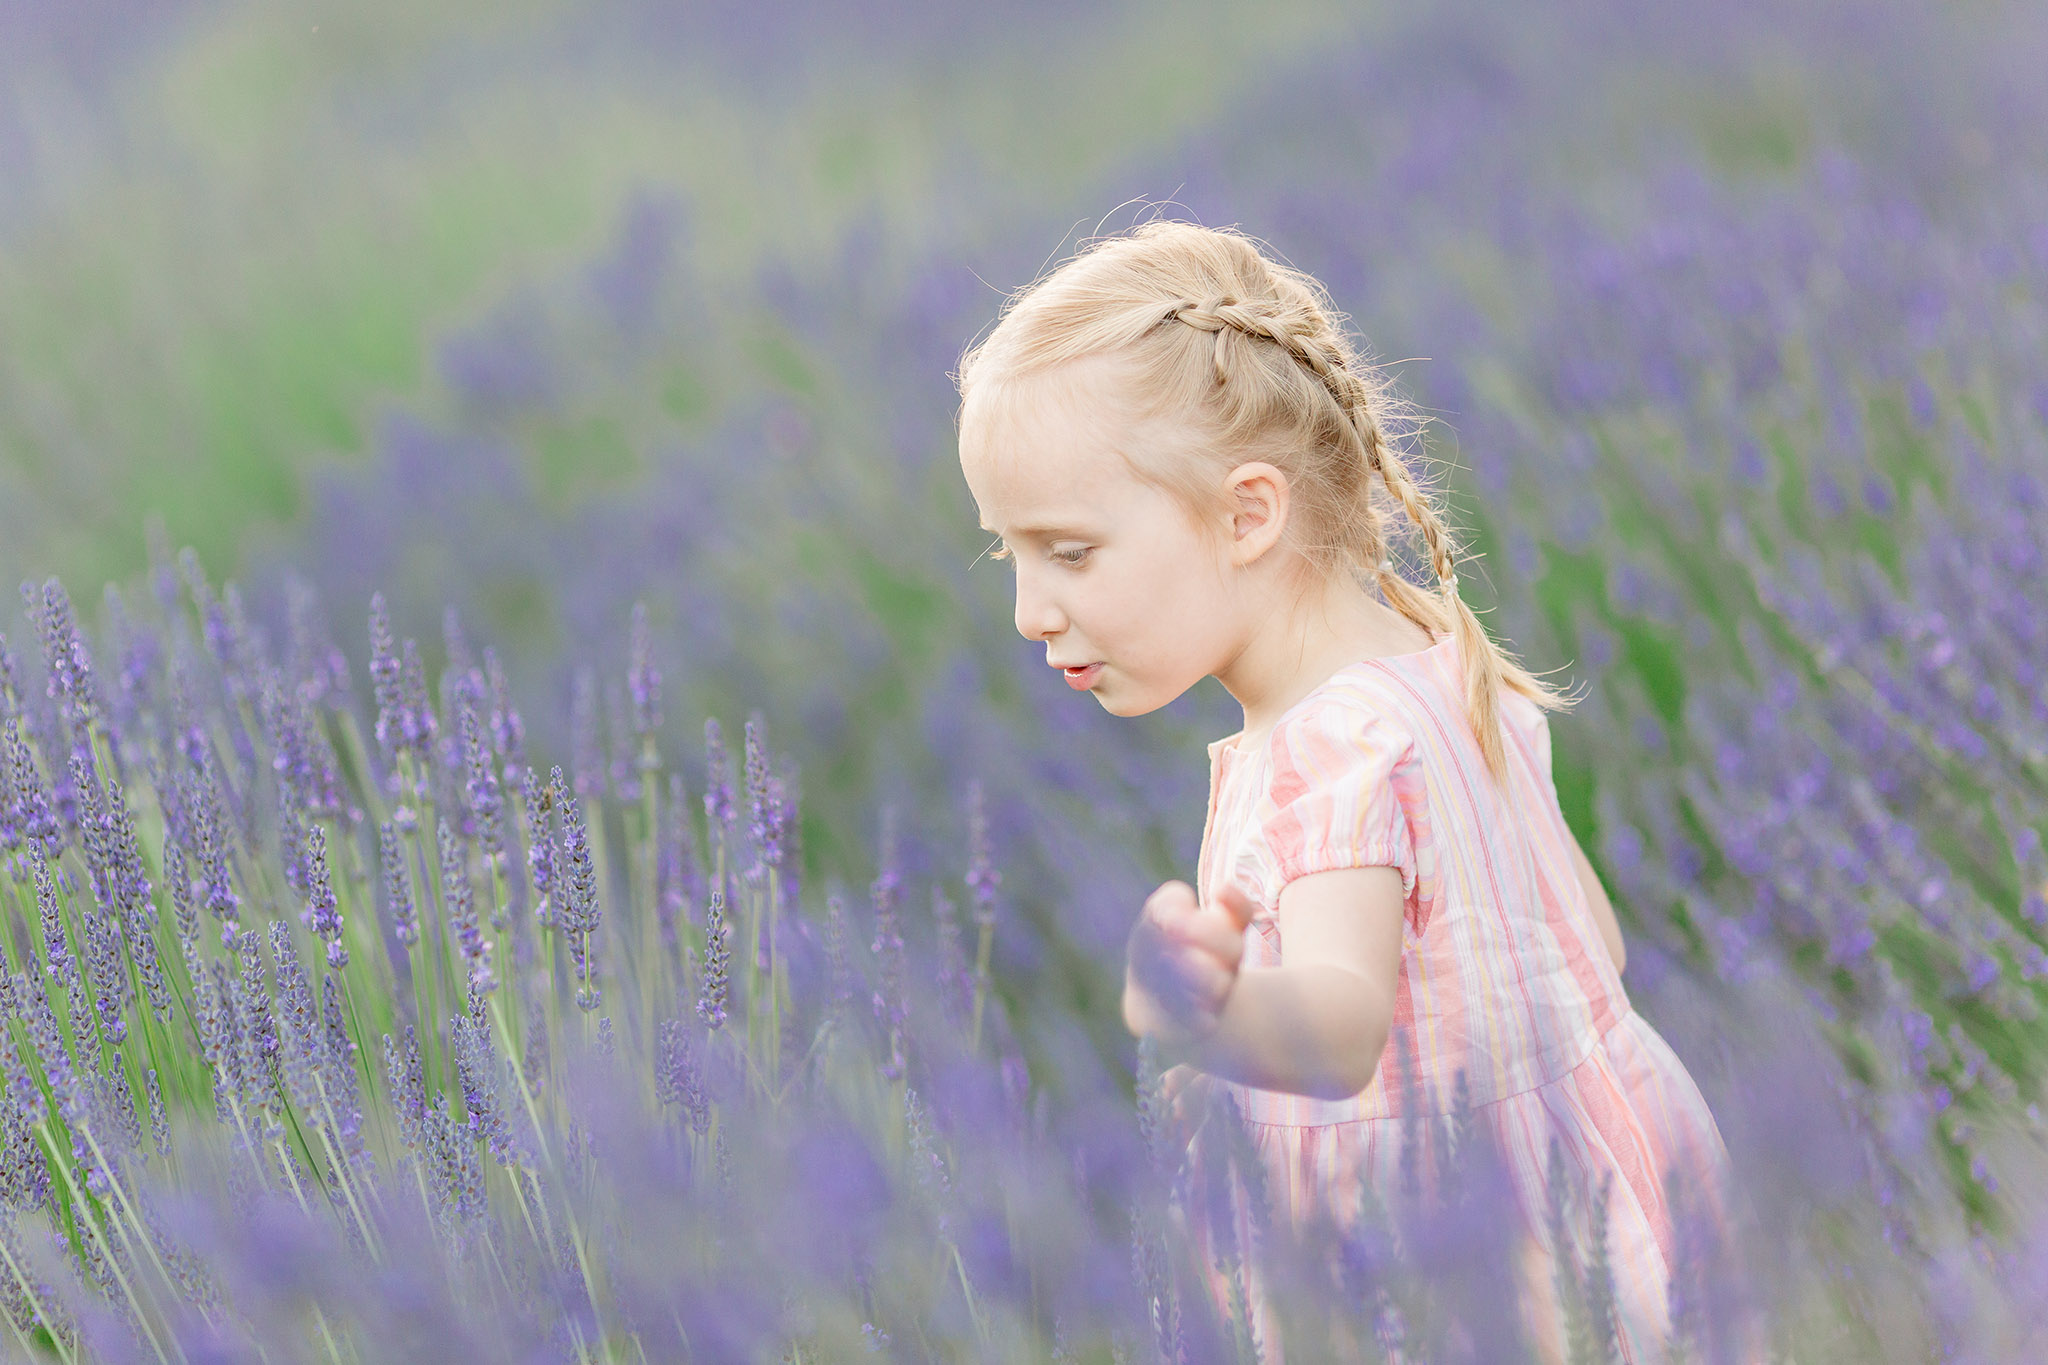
[(1238, 904), (1172, 904), (1217, 934)]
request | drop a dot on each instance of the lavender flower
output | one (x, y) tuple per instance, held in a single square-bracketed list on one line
[(323, 911), (386, 679), (486, 805), (578, 920), (56, 942), (718, 804), (33, 814), (417, 724), (508, 731), (982, 875), (717, 963), (540, 845), (398, 902), (477, 1062), (299, 1032), (890, 1004), (459, 900), (643, 679)]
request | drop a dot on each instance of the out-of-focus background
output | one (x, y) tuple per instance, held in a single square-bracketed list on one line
[(1731, 315)]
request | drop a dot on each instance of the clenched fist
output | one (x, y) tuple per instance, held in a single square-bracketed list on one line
[(1181, 961)]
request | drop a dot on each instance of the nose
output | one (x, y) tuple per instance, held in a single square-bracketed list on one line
[(1038, 616)]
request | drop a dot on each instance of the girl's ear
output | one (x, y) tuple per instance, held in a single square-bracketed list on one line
[(1259, 492)]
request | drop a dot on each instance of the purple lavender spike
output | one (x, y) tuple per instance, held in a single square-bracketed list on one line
[(476, 1063), (890, 1004), (486, 805), (713, 986), (540, 845), (56, 944), (386, 678), (298, 1024), (625, 767), (459, 899), (580, 911), (508, 731), (219, 895), (417, 723), (38, 820), (64, 653), (408, 1090), (398, 902), (718, 803), (642, 677), (338, 1070), (323, 911), (761, 831), (982, 875)]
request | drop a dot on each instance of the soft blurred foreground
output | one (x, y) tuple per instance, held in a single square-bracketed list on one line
[(522, 315)]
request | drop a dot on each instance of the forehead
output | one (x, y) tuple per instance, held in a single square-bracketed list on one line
[(1048, 449)]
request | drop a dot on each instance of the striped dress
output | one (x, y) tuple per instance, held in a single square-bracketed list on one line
[(1503, 978)]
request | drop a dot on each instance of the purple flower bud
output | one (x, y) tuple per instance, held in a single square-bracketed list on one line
[(718, 808), (890, 1004), (416, 718), (65, 655), (642, 677), (56, 944), (459, 899), (712, 987), (540, 844), (323, 911), (678, 1079), (37, 821), (299, 1024), (338, 1071), (398, 902), (982, 876), (476, 1064), (625, 770), (408, 1090), (508, 731), (385, 678), (580, 909), (481, 790)]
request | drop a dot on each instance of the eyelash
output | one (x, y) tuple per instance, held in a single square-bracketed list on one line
[(1072, 558)]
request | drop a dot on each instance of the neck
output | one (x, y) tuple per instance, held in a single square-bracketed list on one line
[(1298, 639)]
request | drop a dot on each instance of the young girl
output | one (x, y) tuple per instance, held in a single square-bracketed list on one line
[(1195, 475)]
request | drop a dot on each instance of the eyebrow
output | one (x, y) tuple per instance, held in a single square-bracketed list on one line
[(1042, 532)]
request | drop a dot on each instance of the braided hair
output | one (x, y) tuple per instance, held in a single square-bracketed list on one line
[(1255, 359)]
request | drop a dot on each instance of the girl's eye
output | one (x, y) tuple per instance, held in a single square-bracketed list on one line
[(1071, 556)]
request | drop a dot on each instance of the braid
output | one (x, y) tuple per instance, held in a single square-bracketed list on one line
[(1318, 348)]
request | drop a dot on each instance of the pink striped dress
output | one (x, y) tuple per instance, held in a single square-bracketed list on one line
[(1503, 977)]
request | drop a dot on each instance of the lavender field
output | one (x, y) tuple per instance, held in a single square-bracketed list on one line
[(525, 838)]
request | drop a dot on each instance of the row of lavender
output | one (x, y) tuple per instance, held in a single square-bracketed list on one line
[(287, 1076)]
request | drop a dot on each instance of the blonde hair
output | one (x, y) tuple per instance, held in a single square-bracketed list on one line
[(1257, 356)]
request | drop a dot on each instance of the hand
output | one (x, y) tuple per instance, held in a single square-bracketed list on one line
[(1182, 959)]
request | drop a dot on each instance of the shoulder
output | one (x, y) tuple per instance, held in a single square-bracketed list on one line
[(1345, 731)]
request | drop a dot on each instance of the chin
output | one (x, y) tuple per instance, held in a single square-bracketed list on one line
[(1126, 706)]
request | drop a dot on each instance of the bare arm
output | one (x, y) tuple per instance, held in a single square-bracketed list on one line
[(1317, 1023), (1603, 909)]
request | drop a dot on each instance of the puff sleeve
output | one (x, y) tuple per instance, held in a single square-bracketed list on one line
[(1332, 799)]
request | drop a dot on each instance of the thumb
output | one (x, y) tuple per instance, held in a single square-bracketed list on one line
[(1237, 903)]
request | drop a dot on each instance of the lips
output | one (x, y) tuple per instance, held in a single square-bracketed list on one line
[(1083, 677)]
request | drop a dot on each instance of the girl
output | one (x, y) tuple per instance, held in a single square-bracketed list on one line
[(1194, 473)]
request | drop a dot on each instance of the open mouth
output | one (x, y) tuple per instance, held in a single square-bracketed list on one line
[(1083, 678)]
